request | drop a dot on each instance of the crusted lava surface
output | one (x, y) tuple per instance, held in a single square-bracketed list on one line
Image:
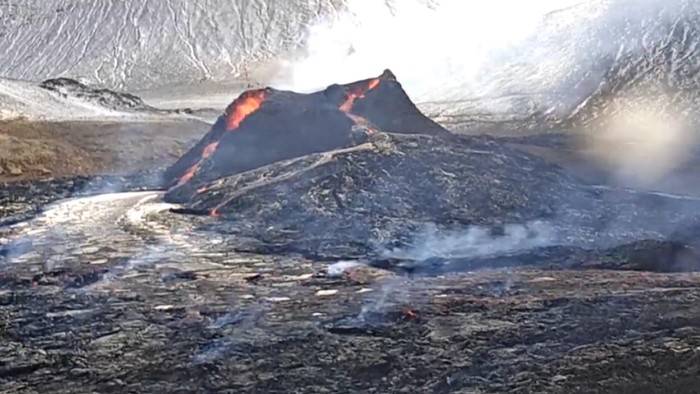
[(120, 303), (381, 262), (327, 190), (265, 126), (366, 200)]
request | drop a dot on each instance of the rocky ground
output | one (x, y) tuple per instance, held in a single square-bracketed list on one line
[(116, 293), (31, 149)]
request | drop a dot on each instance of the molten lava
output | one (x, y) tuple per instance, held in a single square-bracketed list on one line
[(189, 174), (358, 93), (243, 106), (410, 313), (274, 125), (209, 149), (246, 104), (360, 121)]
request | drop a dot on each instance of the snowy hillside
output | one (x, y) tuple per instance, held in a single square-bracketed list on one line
[(138, 44), (464, 62), (56, 100), (27, 100)]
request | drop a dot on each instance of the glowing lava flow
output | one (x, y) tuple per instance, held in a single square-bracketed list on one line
[(188, 174), (255, 98), (360, 121), (208, 151), (246, 104), (357, 93)]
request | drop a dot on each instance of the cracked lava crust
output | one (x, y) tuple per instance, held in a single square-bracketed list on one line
[(342, 242)]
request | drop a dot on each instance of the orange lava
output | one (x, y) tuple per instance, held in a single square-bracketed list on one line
[(410, 314), (358, 93), (209, 149), (373, 84), (243, 106), (250, 101), (214, 213), (188, 174), (360, 121)]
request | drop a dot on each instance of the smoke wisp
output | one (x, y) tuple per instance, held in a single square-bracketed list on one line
[(640, 144), (428, 44), (475, 241)]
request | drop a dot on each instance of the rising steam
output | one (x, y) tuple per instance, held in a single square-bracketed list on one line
[(476, 241), (640, 143), (454, 50), (426, 43)]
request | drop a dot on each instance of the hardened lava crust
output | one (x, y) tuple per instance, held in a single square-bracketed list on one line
[(386, 261)]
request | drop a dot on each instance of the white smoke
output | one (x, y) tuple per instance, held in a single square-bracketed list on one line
[(473, 242), (425, 43), (503, 56), (476, 241), (341, 267), (640, 143)]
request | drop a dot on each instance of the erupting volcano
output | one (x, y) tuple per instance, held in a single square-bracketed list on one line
[(265, 126)]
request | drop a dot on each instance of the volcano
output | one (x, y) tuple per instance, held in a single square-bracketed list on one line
[(267, 125), (434, 205), (333, 173)]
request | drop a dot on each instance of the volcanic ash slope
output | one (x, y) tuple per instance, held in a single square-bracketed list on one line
[(356, 168), (267, 125), (355, 201)]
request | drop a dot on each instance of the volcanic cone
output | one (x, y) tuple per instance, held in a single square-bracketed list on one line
[(267, 125)]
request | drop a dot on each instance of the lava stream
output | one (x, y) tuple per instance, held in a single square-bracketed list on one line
[(243, 106), (358, 93), (246, 104)]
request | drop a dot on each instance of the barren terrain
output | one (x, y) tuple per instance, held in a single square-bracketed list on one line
[(299, 261), (31, 149), (117, 294)]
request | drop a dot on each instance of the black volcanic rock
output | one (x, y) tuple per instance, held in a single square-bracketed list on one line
[(67, 87), (467, 181), (356, 201), (356, 170), (265, 126)]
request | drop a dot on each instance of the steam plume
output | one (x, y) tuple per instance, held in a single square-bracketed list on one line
[(424, 42), (639, 143)]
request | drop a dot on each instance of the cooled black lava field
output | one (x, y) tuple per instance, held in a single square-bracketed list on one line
[(343, 242)]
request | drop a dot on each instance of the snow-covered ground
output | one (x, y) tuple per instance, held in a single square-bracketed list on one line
[(502, 57), (21, 99), (163, 50), (139, 44)]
